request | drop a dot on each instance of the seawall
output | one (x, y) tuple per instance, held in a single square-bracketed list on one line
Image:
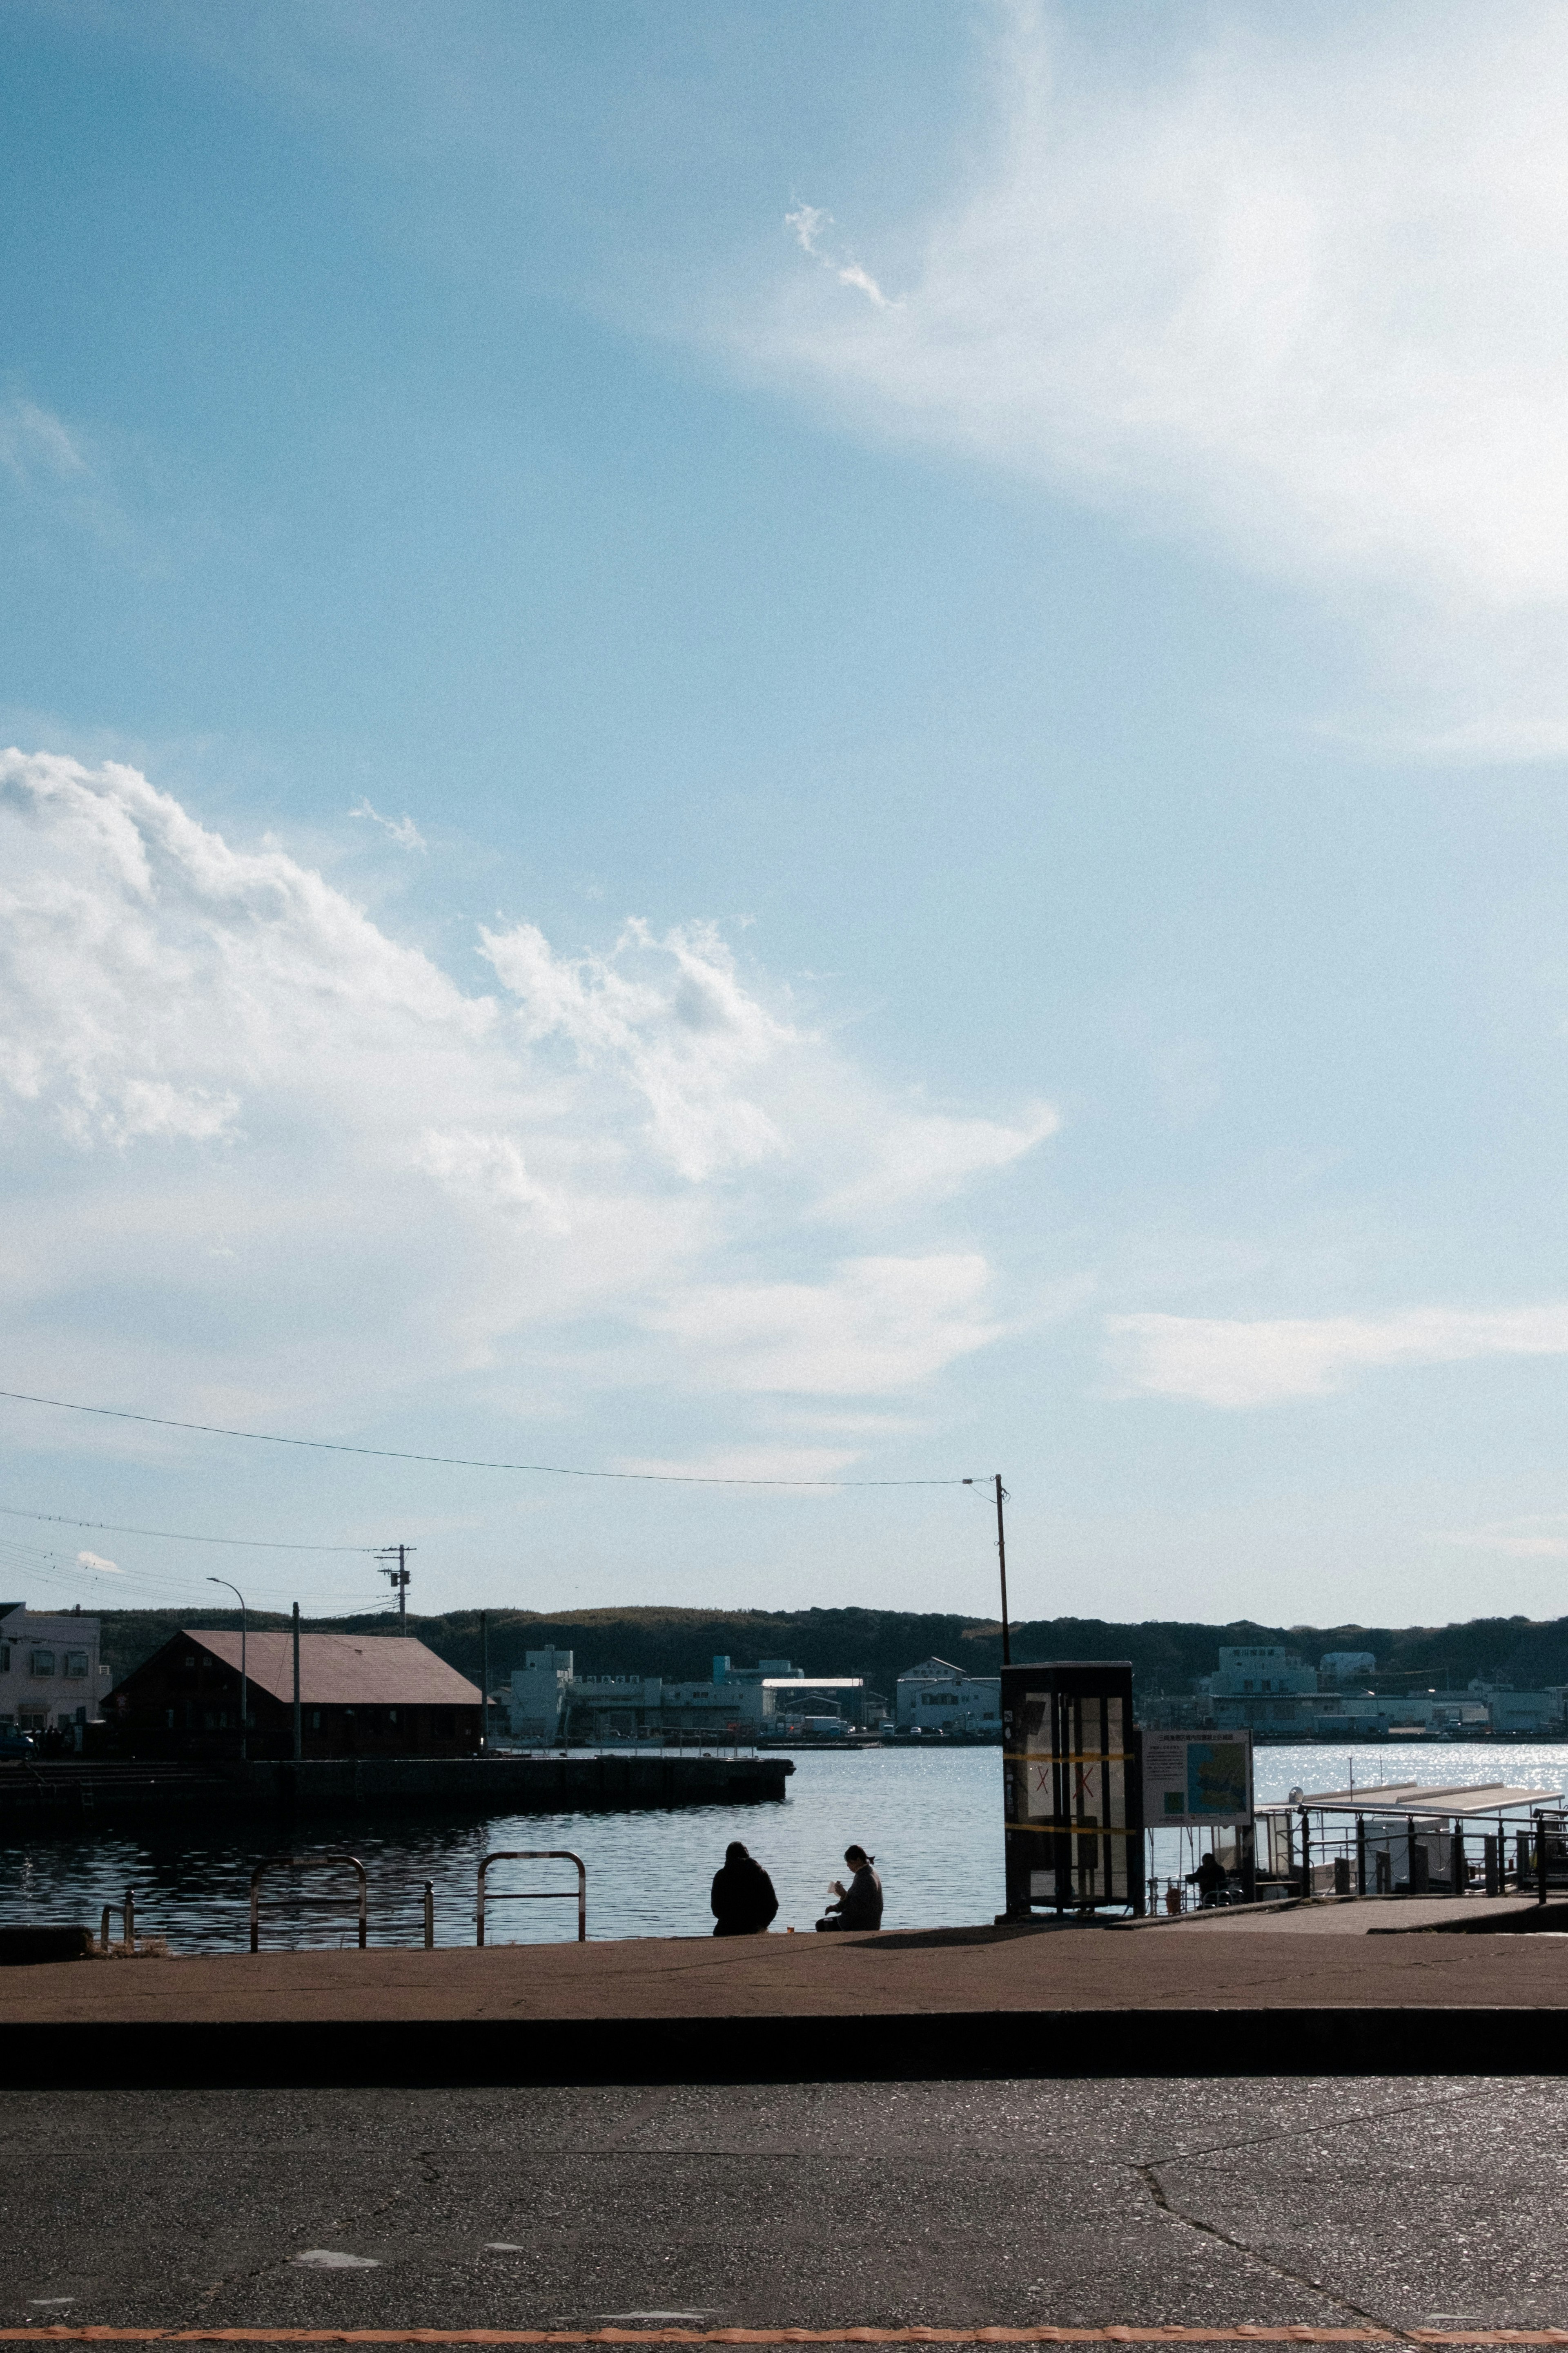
[(85, 1793)]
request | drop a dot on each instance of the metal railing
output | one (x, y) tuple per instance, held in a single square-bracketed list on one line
[(127, 1912), (535, 1894), (306, 1863)]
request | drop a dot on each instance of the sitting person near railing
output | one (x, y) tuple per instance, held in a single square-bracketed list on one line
[(1212, 1881), (743, 1902), (860, 1905)]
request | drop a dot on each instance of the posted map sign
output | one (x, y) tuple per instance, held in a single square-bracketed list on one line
[(1197, 1781)]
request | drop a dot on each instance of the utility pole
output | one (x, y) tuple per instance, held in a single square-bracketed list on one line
[(299, 1742), (485, 1683), (244, 1688), (1000, 1562), (400, 1577)]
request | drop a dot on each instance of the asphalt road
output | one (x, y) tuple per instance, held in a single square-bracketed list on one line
[(1424, 2203)]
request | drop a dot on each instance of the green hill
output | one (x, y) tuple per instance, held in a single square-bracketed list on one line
[(1167, 1654)]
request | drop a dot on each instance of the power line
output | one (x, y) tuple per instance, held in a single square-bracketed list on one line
[(174, 1535), (453, 1462)]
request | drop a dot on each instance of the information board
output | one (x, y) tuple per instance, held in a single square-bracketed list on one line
[(1197, 1781)]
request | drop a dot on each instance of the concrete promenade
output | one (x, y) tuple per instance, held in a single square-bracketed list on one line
[(1315, 1990)]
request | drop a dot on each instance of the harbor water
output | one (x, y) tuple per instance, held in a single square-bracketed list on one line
[(933, 1816)]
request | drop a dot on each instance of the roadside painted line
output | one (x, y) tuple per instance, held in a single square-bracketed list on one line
[(1238, 2332)]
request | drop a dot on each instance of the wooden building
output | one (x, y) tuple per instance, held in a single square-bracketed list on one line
[(360, 1696)]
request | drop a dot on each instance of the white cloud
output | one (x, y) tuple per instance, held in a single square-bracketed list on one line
[(33, 441), (668, 1016), (1221, 1362), (789, 1465), (929, 1156), (403, 830), (337, 1173), (96, 1560), (878, 1323), (809, 223), (1515, 1539), (1286, 283)]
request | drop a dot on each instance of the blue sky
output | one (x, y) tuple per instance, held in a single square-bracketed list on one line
[(794, 745)]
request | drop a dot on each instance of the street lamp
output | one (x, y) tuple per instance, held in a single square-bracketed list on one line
[(244, 1752)]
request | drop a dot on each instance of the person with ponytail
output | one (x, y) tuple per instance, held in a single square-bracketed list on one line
[(860, 1905)]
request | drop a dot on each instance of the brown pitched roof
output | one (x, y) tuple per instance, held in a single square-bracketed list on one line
[(343, 1670)]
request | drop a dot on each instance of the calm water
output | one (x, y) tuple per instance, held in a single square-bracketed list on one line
[(933, 1822)]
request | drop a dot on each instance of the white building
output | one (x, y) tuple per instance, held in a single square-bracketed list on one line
[(937, 1696), (1249, 1669), (550, 1702), (1346, 1666), (1521, 1711), (51, 1672)]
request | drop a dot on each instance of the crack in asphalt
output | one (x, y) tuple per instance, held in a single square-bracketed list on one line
[(1149, 2178), (1305, 2131), (1149, 2174)]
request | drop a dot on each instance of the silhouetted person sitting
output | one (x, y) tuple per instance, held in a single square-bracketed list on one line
[(742, 1901), (1211, 1879), (860, 1905)]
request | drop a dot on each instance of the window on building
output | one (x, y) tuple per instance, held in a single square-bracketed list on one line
[(315, 1719), (42, 1662), (76, 1665)]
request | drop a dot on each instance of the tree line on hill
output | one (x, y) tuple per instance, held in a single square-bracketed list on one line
[(1167, 1654)]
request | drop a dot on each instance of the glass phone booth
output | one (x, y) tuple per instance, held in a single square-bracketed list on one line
[(1074, 1787)]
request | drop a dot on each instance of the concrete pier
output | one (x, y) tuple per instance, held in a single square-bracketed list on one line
[(71, 1791), (929, 2003)]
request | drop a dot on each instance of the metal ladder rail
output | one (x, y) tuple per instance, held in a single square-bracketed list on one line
[(127, 1912), (535, 1894), (303, 1862)]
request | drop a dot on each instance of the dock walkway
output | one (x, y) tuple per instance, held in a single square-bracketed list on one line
[(1229, 1997)]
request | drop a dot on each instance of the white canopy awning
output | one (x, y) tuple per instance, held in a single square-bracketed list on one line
[(1452, 1799)]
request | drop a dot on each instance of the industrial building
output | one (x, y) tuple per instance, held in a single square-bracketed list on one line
[(937, 1697), (1275, 1693), (550, 1702)]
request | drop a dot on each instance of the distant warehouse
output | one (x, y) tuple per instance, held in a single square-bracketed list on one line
[(360, 1696)]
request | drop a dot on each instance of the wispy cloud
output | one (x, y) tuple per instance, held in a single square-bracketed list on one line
[(1221, 1362), (403, 830), (811, 224), (96, 1560), (1523, 1539), (1284, 284), (33, 443)]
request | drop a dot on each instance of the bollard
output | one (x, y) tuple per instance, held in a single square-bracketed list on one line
[(1493, 1873), (1341, 1875), (429, 1915)]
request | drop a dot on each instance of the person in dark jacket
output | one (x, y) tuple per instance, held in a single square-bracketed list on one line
[(1212, 1881), (860, 1905), (743, 1902)]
